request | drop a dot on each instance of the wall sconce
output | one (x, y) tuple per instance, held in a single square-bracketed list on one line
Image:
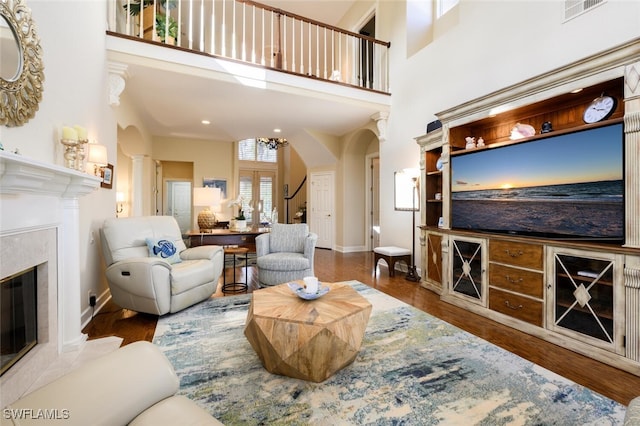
[(97, 156), (209, 198), (119, 203)]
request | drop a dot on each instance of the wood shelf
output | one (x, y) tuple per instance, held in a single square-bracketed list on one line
[(564, 112)]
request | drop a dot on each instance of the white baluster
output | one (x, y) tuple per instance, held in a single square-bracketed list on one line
[(202, 21), (273, 57), (190, 37), (284, 45), (212, 48), (309, 65), (224, 31), (233, 32), (179, 39), (293, 44), (324, 45), (244, 32), (253, 39)]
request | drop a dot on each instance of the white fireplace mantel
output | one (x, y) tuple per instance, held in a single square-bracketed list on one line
[(37, 195), (20, 175)]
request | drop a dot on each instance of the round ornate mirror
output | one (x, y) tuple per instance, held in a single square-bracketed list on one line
[(21, 69)]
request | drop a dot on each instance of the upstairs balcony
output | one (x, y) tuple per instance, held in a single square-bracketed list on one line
[(252, 33)]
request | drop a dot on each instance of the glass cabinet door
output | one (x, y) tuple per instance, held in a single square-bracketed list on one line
[(467, 257), (585, 295)]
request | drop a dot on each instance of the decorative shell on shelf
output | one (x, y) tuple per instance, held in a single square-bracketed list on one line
[(520, 131)]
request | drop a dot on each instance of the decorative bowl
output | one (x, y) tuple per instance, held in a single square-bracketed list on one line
[(299, 291)]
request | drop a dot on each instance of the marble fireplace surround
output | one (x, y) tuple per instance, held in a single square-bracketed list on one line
[(39, 226)]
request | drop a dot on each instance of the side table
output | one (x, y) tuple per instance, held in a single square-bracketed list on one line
[(235, 287)]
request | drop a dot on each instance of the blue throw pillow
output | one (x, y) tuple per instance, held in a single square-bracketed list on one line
[(164, 249)]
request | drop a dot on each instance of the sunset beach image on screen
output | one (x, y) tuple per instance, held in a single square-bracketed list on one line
[(562, 186)]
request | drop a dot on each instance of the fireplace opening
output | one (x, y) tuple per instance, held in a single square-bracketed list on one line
[(18, 317)]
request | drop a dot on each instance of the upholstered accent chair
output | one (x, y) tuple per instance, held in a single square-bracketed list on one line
[(285, 254), (150, 269)]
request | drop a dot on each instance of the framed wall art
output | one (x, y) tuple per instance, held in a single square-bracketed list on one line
[(107, 176), (216, 183)]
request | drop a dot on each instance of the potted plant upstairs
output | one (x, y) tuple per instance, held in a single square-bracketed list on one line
[(166, 26)]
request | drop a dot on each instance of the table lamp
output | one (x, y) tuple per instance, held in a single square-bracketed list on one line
[(209, 198)]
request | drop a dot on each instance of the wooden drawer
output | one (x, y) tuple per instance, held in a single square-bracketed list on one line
[(515, 306), (518, 280), (516, 253)]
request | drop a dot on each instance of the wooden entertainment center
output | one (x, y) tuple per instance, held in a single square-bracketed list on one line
[(581, 295)]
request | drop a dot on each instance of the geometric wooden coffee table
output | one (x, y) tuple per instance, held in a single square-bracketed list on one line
[(307, 339)]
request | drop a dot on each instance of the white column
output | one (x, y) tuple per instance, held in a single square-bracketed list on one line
[(632, 320), (632, 154), (69, 277), (137, 179)]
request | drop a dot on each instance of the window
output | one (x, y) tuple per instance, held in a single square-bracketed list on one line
[(249, 150), (257, 180), (443, 6)]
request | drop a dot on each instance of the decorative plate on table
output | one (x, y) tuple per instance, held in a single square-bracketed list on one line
[(299, 291)]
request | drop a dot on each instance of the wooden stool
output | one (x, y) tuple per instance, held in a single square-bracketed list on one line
[(391, 255), (235, 287)]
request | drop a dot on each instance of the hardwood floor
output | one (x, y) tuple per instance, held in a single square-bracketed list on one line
[(332, 266)]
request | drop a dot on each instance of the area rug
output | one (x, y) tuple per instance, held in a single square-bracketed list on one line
[(413, 369)]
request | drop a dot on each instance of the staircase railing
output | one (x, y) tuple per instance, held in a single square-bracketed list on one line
[(258, 34), (299, 201)]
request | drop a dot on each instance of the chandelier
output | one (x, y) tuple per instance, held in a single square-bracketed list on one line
[(272, 143)]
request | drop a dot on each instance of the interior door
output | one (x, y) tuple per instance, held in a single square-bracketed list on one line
[(322, 208), (179, 203)]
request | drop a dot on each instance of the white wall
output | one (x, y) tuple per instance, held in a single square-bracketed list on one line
[(72, 36), (493, 44)]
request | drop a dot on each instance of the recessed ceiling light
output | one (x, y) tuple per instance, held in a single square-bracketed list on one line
[(577, 90), (277, 130), (206, 122)]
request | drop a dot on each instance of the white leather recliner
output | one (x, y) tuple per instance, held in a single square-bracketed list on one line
[(150, 269), (134, 385)]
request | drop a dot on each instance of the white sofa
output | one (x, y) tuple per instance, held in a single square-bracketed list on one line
[(153, 284), (133, 385)]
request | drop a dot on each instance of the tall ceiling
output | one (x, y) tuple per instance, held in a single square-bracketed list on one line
[(173, 98)]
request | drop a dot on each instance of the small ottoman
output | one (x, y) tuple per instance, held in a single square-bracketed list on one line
[(391, 255)]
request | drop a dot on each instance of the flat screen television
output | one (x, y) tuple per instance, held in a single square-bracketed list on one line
[(567, 186)]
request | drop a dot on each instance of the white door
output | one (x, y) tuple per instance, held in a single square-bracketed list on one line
[(322, 208), (179, 203)]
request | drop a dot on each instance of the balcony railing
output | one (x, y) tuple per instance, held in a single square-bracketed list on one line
[(258, 34)]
